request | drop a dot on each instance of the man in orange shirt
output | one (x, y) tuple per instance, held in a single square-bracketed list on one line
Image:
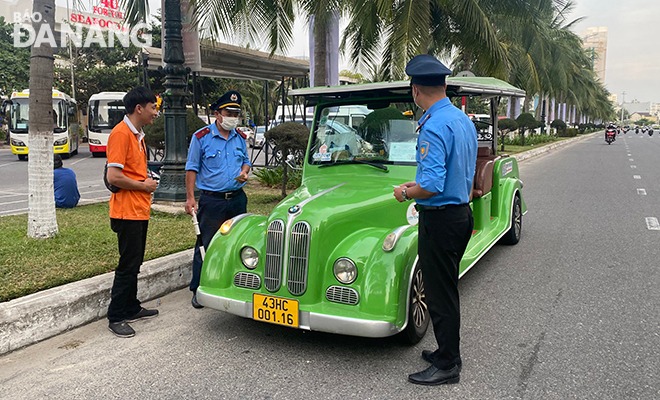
[(130, 207)]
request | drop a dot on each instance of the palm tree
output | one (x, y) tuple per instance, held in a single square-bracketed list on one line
[(42, 222)]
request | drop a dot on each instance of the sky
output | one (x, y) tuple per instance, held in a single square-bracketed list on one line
[(633, 53)]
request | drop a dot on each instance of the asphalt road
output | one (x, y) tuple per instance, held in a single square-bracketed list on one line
[(89, 173), (571, 312)]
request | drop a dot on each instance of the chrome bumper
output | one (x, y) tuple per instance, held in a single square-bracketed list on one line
[(308, 320)]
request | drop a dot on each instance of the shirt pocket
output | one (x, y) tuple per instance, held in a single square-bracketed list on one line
[(212, 159), (238, 156)]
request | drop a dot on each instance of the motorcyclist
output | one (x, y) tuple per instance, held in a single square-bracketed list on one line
[(610, 129)]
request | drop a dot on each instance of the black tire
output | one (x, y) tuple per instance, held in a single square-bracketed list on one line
[(98, 154), (418, 311), (22, 157), (513, 235)]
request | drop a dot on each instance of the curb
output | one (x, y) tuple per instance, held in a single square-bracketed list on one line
[(546, 149), (30, 319), (39, 316)]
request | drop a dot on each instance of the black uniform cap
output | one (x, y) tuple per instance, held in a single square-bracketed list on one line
[(426, 70), (230, 100)]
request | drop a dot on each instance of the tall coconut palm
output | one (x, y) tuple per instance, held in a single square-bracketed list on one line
[(42, 222)]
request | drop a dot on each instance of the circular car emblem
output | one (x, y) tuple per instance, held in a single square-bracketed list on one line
[(294, 209)]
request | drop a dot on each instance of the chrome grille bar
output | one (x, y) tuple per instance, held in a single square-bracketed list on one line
[(298, 258), (274, 250)]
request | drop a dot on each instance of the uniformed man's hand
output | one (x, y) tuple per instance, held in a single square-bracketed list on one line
[(397, 194), (243, 177), (150, 185), (190, 206)]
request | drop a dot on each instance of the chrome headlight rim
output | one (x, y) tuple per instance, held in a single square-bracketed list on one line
[(345, 270), (249, 257)]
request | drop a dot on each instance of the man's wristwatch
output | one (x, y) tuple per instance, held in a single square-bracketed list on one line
[(404, 194)]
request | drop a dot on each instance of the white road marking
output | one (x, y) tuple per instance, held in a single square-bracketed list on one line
[(13, 202), (652, 224), (629, 155), (631, 159), (76, 162), (11, 163), (637, 177), (16, 211), (633, 166), (10, 194), (641, 192)]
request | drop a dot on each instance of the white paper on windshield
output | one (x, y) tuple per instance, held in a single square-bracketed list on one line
[(402, 151)]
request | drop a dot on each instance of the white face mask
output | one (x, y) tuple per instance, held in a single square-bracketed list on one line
[(229, 123)]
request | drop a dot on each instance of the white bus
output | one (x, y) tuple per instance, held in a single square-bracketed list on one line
[(105, 110), (65, 124)]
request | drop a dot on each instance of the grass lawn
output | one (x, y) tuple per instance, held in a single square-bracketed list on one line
[(86, 246)]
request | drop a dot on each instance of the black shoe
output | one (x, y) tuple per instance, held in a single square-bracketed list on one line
[(143, 314), (121, 329), (195, 303), (428, 356), (435, 376)]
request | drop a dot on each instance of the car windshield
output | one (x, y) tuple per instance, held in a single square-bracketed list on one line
[(20, 111), (105, 114), (358, 133)]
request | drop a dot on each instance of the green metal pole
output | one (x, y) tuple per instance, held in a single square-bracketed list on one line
[(172, 185)]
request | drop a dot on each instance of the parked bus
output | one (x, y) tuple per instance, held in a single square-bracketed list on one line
[(65, 124), (105, 110)]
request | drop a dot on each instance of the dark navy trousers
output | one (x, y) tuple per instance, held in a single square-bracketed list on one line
[(212, 212), (443, 238)]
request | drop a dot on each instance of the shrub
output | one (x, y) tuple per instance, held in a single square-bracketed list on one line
[(272, 177), (289, 138), (505, 126), (559, 125), (569, 132), (155, 133), (532, 140)]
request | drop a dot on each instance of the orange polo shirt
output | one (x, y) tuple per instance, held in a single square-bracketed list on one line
[(126, 150)]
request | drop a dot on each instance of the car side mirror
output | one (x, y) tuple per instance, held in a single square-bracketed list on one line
[(71, 111)]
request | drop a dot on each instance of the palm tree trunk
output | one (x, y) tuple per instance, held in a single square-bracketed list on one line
[(42, 222), (320, 51)]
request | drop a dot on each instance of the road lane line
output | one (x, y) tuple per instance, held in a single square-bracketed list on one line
[(637, 177), (631, 159), (641, 192), (83, 159), (633, 166), (16, 211), (4, 203), (652, 224)]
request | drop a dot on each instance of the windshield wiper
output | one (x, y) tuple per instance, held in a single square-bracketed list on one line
[(373, 164)]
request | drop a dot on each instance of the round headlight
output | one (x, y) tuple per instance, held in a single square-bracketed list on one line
[(249, 257), (345, 270)]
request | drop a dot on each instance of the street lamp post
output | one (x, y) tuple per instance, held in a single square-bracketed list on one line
[(172, 185), (623, 101)]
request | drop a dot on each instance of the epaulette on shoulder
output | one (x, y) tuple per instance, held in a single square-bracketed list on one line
[(200, 133), (240, 132)]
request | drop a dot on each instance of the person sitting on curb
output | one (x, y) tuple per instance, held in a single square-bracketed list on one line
[(65, 185)]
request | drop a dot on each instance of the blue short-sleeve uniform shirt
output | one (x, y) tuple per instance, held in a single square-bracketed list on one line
[(217, 160), (446, 154)]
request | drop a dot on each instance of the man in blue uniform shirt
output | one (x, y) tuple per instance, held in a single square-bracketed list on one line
[(65, 185), (446, 162), (218, 165)]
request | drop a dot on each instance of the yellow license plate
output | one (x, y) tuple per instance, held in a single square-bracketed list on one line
[(275, 310)]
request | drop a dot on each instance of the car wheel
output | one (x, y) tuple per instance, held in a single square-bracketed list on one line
[(418, 311), (513, 235), (22, 157), (98, 154)]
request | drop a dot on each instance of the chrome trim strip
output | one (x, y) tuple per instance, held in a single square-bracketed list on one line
[(398, 232), (308, 321), (298, 261), (274, 261), (235, 220)]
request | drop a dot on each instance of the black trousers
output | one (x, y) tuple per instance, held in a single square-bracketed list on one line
[(131, 240), (212, 213), (443, 238)]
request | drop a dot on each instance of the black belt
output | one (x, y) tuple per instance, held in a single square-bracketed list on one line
[(420, 207), (222, 195)]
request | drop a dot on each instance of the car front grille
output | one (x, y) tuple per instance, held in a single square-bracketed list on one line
[(297, 257), (274, 250), (343, 295), (247, 280)]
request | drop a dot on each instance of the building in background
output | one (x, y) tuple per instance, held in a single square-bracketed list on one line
[(594, 41)]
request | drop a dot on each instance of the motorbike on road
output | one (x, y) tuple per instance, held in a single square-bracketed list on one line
[(610, 135)]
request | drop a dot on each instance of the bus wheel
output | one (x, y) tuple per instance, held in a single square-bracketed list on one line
[(97, 154), (22, 157)]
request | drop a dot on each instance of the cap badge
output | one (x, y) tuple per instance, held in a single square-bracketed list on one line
[(233, 97)]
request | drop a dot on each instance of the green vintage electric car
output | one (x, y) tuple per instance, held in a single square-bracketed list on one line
[(340, 253)]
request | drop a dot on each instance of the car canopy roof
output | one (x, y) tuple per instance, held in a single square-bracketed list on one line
[(456, 86)]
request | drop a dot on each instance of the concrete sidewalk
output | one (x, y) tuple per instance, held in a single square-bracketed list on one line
[(41, 315)]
